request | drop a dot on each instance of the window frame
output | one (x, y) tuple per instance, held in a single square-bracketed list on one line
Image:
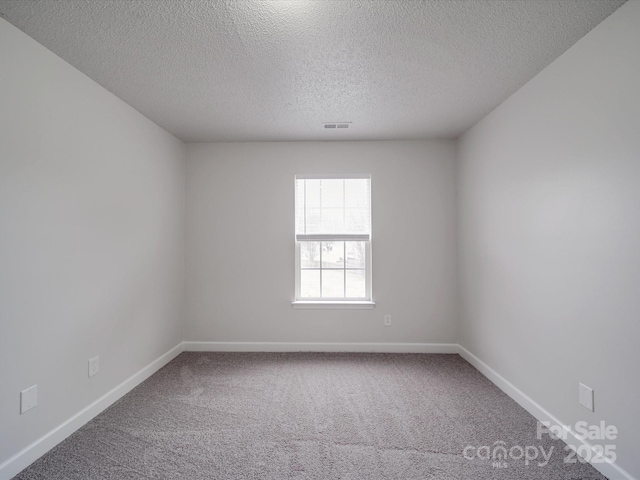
[(334, 302)]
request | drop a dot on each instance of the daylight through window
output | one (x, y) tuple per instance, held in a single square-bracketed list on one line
[(333, 238)]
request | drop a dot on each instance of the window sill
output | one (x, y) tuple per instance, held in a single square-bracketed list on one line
[(333, 304)]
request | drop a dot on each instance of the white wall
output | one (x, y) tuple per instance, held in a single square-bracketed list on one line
[(550, 233), (91, 239), (92, 222), (240, 242)]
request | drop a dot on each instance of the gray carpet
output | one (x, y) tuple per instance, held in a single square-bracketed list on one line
[(307, 416)]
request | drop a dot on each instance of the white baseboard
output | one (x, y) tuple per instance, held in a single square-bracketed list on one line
[(31, 453), (320, 347), (609, 470)]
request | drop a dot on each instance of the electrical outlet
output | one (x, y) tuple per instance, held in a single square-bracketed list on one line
[(28, 399), (387, 320), (94, 366), (586, 397)]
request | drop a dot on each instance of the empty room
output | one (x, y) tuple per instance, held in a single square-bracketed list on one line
[(319, 239)]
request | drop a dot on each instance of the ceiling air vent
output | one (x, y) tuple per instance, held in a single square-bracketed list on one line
[(337, 125)]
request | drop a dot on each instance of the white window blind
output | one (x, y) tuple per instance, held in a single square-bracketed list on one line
[(333, 208)]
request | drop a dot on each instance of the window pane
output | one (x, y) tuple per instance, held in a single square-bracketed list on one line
[(356, 220), (355, 254), (332, 254), (356, 192), (310, 283), (332, 220), (332, 193), (310, 254), (333, 283), (312, 193), (356, 284), (357, 205), (313, 219), (333, 205)]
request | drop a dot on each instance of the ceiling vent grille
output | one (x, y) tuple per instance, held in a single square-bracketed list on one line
[(337, 125)]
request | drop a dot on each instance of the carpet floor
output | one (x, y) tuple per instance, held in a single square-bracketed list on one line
[(302, 416)]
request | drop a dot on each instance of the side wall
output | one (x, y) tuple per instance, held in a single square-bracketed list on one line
[(91, 239), (240, 242), (550, 233)]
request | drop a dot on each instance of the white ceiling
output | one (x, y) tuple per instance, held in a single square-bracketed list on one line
[(276, 70)]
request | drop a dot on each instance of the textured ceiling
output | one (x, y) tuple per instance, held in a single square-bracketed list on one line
[(276, 70)]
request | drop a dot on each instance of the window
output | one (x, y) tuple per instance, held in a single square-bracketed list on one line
[(333, 241)]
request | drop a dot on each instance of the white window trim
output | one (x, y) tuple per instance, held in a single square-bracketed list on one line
[(355, 305), (342, 302)]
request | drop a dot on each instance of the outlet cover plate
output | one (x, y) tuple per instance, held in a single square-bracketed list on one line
[(28, 399), (586, 397), (94, 366)]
